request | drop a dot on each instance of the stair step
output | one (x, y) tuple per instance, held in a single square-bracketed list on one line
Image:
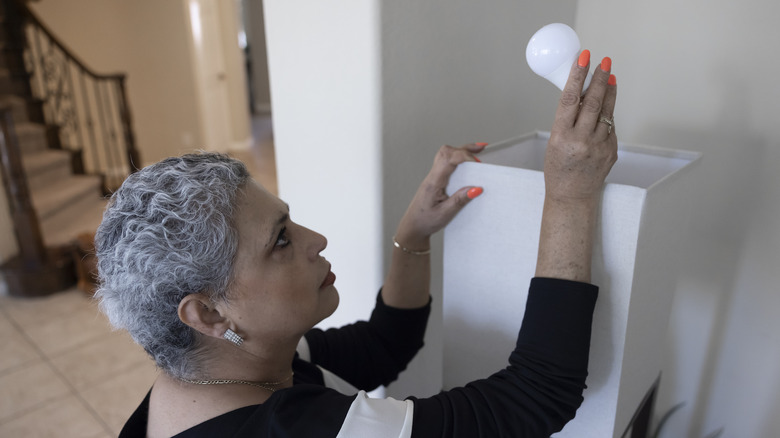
[(55, 198), (46, 167), (32, 137), (18, 107), (83, 216)]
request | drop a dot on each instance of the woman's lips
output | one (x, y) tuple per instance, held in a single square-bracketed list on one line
[(329, 279)]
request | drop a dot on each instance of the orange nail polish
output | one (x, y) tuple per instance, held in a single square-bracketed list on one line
[(606, 64), (477, 160), (612, 80), (481, 144), (474, 192), (584, 58)]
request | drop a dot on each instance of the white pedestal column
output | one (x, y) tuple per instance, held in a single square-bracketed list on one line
[(490, 255)]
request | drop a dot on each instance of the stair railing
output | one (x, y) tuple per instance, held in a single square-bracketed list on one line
[(90, 110)]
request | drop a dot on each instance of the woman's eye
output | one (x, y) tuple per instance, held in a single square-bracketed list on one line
[(281, 239)]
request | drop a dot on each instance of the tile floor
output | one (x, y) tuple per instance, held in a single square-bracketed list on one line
[(63, 371)]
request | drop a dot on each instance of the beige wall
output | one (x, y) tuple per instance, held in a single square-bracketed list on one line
[(702, 75), (150, 41), (235, 71)]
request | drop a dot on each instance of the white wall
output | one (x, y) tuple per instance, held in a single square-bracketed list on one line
[(324, 72), (702, 75)]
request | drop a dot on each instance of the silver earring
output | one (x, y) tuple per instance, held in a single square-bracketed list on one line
[(231, 336)]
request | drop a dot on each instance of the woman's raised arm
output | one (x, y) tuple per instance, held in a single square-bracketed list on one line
[(580, 154)]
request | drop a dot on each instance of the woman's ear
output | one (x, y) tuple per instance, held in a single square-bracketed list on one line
[(197, 311)]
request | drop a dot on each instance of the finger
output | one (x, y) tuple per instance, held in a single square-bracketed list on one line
[(608, 107), (474, 148), (569, 104), (452, 205), (447, 160), (594, 97)]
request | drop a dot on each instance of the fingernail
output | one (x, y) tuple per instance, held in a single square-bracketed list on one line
[(584, 58), (474, 192), (481, 144), (477, 160), (606, 64), (612, 80)]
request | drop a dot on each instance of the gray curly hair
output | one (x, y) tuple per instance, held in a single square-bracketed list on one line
[(168, 232)]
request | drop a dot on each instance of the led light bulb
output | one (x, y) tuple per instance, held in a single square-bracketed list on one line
[(551, 52)]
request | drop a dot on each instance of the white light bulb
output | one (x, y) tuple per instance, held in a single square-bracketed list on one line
[(551, 52)]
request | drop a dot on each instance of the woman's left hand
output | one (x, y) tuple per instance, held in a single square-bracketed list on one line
[(431, 209)]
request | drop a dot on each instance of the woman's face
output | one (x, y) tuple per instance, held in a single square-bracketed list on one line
[(282, 286)]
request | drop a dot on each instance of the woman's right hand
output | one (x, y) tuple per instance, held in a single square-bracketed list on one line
[(580, 154), (582, 146)]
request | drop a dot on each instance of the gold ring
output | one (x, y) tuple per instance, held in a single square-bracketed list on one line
[(609, 121)]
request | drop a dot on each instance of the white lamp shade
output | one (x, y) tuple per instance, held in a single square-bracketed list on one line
[(490, 252)]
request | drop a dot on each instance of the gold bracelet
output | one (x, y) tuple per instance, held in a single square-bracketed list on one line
[(409, 251)]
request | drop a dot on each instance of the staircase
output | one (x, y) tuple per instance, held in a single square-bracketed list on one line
[(74, 141), (66, 204)]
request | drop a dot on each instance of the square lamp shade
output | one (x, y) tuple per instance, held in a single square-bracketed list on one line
[(490, 253)]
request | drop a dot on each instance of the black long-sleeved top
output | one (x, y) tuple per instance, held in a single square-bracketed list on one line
[(534, 396)]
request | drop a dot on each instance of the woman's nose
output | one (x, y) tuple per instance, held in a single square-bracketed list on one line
[(318, 243)]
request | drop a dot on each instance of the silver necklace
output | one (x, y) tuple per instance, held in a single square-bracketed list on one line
[(269, 386)]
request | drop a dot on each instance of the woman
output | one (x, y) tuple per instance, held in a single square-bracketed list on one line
[(209, 274)]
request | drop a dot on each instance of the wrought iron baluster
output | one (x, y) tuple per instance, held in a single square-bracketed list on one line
[(101, 112), (59, 84), (38, 59), (46, 71), (111, 146), (134, 160), (121, 139), (75, 118), (89, 122)]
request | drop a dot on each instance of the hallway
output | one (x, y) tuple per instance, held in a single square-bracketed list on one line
[(63, 371)]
